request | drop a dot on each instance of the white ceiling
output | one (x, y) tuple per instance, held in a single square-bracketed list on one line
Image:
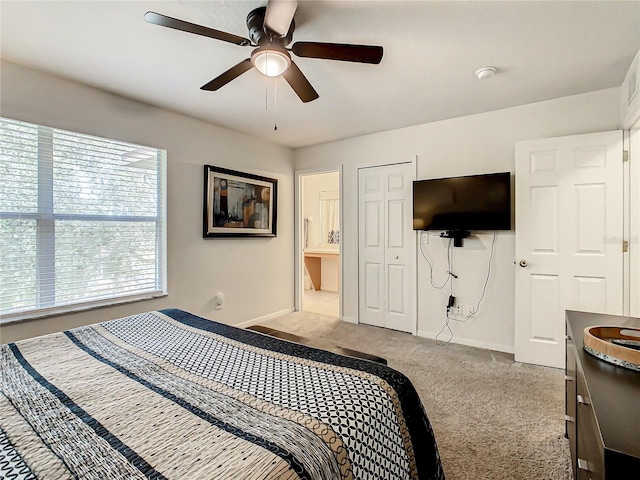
[(542, 50)]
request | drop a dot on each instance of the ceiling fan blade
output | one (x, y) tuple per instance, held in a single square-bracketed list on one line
[(339, 51), (226, 77), (299, 83), (164, 21), (279, 15)]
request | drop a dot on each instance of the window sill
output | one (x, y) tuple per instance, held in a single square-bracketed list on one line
[(69, 309)]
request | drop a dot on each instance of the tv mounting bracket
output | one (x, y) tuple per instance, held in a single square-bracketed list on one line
[(457, 236)]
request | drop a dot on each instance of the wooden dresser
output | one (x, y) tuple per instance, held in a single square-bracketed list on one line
[(602, 407)]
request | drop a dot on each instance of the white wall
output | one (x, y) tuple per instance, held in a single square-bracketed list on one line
[(255, 274), (461, 146), (630, 95)]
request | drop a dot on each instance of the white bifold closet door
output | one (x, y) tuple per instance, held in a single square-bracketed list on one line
[(387, 247)]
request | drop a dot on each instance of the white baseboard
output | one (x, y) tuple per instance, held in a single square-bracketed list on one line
[(264, 318), (470, 343), (349, 319)]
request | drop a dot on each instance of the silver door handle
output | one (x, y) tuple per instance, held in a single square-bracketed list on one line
[(523, 263)]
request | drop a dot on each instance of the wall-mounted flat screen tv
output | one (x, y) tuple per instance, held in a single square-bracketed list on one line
[(475, 202)]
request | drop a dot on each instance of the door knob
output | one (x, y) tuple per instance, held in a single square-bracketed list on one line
[(523, 263), (397, 257)]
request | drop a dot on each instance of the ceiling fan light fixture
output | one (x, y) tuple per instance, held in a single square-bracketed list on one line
[(270, 62)]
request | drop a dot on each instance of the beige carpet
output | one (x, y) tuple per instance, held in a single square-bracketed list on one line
[(493, 418)]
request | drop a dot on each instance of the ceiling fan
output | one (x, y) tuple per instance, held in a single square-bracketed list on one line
[(270, 31)]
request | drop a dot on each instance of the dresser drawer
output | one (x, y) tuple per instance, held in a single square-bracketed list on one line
[(590, 450)]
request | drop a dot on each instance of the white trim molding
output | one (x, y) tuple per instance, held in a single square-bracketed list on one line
[(264, 318), (470, 343)]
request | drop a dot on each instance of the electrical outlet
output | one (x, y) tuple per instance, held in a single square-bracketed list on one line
[(457, 310), (219, 300)]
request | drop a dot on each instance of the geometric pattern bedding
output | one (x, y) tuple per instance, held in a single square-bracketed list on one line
[(168, 394)]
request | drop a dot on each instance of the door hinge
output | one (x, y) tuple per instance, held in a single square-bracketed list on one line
[(625, 246), (625, 156)]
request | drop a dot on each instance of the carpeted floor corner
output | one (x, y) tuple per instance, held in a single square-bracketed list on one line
[(494, 418)]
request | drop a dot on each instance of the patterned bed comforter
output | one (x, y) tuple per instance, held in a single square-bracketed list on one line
[(170, 395)]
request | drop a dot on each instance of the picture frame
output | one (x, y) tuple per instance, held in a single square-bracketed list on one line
[(238, 204)]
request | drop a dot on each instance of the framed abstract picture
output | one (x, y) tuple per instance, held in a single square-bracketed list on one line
[(238, 204)]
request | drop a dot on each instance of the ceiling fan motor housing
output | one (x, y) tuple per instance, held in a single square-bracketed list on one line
[(260, 35)]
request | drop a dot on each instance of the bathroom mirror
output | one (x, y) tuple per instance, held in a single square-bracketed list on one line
[(329, 217)]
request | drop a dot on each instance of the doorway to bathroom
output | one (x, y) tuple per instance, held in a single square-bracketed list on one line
[(319, 263)]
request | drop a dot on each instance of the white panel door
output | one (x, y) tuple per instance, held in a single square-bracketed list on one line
[(569, 229), (371, 255), (387, 283)]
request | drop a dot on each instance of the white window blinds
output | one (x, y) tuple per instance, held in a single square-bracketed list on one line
[(82, 220)]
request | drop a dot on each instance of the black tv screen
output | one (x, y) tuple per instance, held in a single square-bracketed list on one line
[(475, 202)]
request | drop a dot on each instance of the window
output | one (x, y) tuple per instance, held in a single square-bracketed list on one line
[(82, 221)]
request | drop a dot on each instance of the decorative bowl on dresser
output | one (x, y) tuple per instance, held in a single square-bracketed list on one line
[(602, 414)]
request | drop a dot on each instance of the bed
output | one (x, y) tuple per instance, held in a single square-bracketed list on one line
[(167, 394)]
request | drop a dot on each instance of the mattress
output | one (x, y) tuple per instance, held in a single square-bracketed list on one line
[(167, 394)]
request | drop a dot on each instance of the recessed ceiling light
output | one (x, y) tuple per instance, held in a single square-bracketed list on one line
[(485, 72)]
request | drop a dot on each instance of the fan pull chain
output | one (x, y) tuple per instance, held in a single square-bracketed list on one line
[(275, 103), (275, 99), (266, 88)]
